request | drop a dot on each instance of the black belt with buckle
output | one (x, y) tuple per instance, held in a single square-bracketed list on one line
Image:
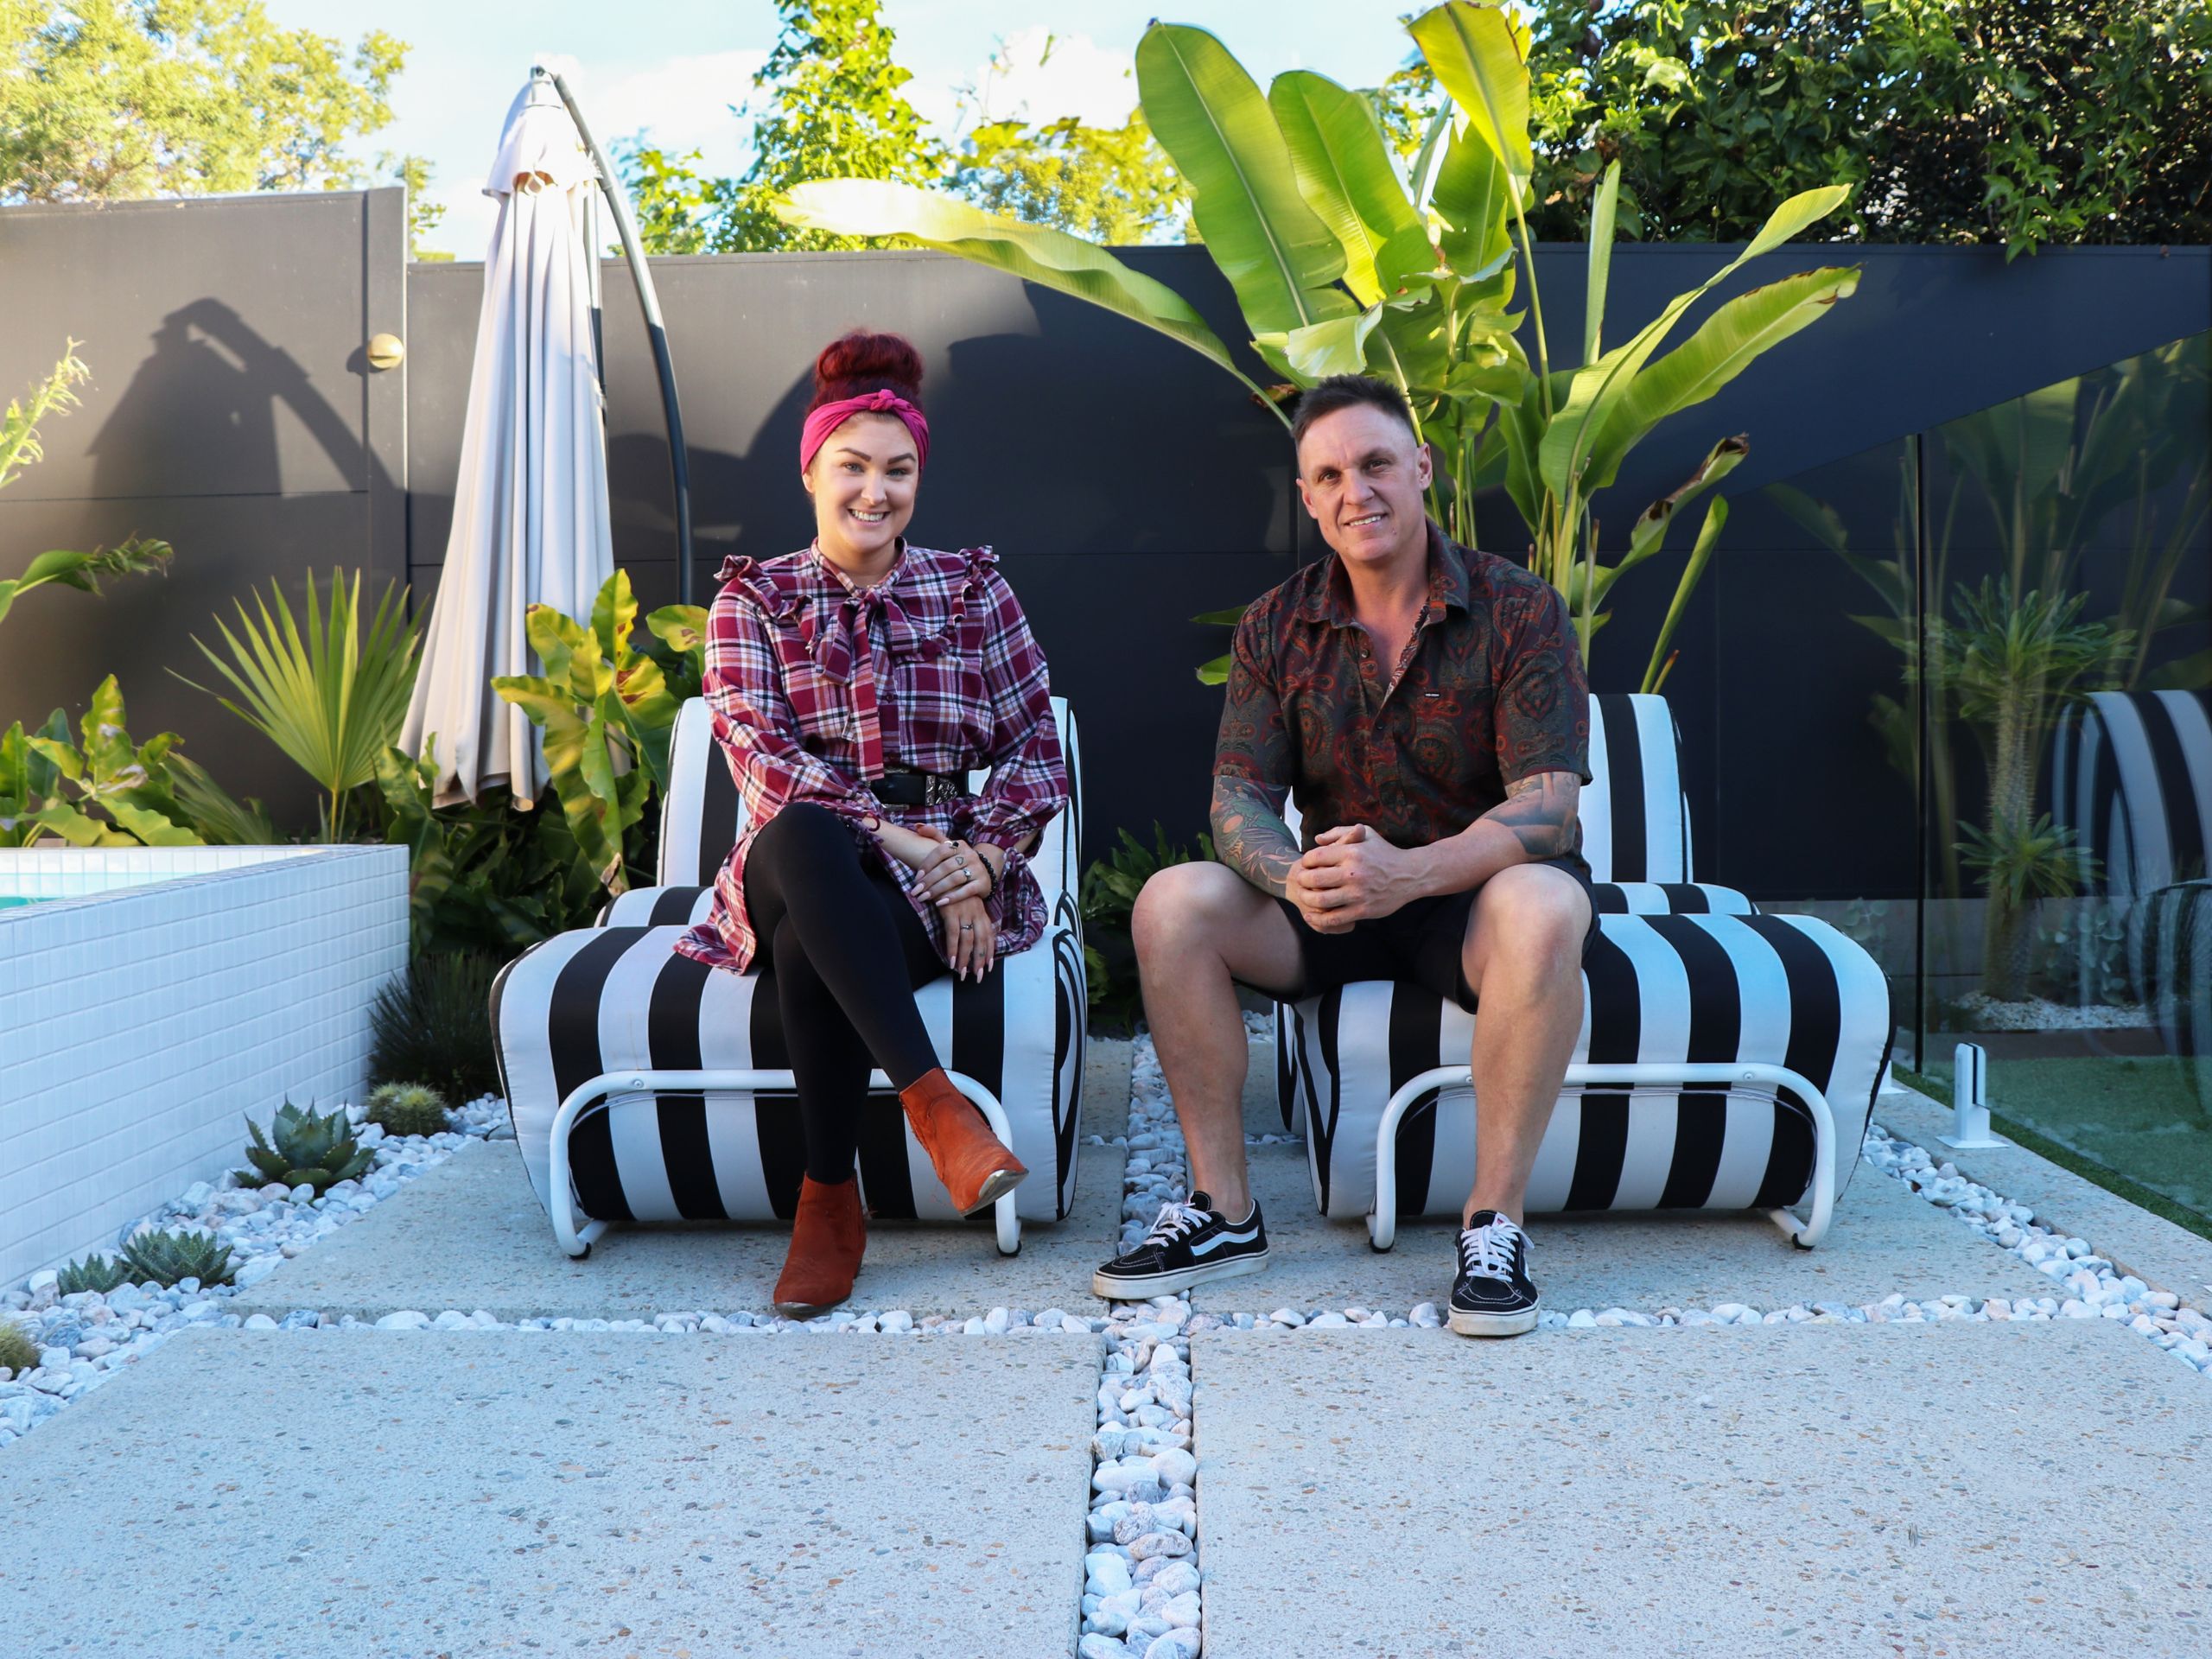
[(900, 786)]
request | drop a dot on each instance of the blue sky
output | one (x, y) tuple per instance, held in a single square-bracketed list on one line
[(677, 66)]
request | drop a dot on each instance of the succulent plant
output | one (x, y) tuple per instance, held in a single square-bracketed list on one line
[(318, 1149), (407, 1108), (433, 1025), (167, 1257), (94, 1273), (18, 1349)]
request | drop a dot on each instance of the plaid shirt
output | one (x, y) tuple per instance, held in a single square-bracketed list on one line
[(817, 685), (1489, 690)]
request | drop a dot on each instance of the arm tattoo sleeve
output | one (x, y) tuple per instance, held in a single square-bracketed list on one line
[(1539, 810), (1251, 837)]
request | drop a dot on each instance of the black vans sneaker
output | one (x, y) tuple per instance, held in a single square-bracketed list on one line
[(1190, 1243), (1491, 1296)]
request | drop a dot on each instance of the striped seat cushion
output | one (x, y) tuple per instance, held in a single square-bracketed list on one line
[(617, 997), (1786, 990)]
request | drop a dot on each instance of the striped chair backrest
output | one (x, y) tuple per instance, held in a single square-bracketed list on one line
[(2131, 777), (1636, 820), (700, 819)]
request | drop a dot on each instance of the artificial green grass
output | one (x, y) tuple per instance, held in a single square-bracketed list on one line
[(2119, 1114)]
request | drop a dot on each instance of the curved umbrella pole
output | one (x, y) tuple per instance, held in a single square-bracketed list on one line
[(610, 183)]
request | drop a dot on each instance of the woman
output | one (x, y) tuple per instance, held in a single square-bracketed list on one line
[(853, 685)]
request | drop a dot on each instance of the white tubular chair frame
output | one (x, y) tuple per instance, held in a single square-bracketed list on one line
[(1383, 1221), (597, 1094)]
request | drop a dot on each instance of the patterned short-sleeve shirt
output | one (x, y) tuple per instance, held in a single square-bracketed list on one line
[(1490, 690)]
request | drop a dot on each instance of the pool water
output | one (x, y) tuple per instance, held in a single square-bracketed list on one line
[(7, 900)]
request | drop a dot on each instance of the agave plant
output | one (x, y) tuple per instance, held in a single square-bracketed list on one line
[(168, 1257), (1341, 265), (318, 1149), (406, 1109), (94, 1273), (331, 699)]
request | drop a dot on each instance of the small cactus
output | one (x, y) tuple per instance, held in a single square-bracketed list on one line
[(167, 1257), (318, 1149), (94, 1273), (407, 1108), (18, 1352)]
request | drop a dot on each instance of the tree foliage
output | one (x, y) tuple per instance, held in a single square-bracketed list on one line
[(111, 100), (833, 104), (1105, 184), (423, 215), (2020, 121)]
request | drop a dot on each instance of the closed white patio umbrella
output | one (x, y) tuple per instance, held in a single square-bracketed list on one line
[(530, 518)]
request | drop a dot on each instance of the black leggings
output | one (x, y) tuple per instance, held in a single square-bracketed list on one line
[(846, 952)]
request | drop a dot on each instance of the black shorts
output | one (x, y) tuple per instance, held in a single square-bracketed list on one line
[(1420, 943)]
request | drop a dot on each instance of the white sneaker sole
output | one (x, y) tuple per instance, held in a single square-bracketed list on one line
[(1493, 1325), (1139, 1288)]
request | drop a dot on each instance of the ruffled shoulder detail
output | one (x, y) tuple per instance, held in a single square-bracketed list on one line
[(971, 598), (773, 587)]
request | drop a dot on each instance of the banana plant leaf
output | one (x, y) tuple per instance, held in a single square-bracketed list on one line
[(1596, 390), (1209, 116), (1479, 54), (1716, 518), (1050, 258), (1602, 214), (1344, 171), (1473, 198), (1723, 347)]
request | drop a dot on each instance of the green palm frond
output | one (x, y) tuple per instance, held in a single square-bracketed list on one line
[(331, 699)]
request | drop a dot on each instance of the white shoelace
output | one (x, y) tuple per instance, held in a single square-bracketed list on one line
[(1487, 1250), (1177, 1219)]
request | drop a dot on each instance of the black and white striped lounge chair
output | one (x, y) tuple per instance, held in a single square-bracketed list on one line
[(1728, 1059), (673, 1077)]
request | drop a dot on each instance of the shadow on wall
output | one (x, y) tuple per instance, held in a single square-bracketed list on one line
[(205, 405)]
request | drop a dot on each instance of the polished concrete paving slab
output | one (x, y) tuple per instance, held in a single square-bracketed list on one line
[(469, 1234), (1956, 1488), (339, 1495), (1885, 1239)]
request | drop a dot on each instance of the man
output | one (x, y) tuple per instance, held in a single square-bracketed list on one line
[(1428, 706)]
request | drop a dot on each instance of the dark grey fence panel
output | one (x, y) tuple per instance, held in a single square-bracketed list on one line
[(231, 413)]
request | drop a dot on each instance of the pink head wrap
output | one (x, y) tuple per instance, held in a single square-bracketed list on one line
[(828, 418)]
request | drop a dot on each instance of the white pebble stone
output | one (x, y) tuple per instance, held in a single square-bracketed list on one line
[(1107, 1571)]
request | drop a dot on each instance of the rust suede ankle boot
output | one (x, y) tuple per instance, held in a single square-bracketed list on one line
[(973, 1163), (827, 1239)]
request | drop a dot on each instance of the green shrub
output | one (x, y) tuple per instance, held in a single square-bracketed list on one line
[(434, 1025), (168, 1257), (1110, 892), (407, 1108), (94, 1273), (318, 1149), (18, 1351)]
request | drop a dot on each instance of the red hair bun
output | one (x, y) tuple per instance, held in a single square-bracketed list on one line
[(861, 363)]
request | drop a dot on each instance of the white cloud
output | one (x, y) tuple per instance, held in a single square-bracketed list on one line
[(1039, 76), (683, 103)]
